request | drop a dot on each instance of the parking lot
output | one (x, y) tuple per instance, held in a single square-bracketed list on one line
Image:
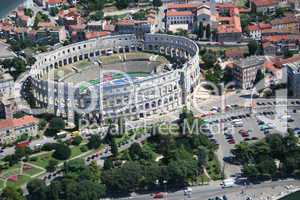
[(248, 128)]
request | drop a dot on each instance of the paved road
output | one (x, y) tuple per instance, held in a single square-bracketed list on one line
[(213, 190)]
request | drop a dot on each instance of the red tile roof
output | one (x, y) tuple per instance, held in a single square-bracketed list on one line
[(13, 123), (92, 35), (285, 20), (53, 2), (125, 22), (260, 26), (235, 53), (276, 38), (181, 6), (264, 3), (173, 13), (232, 23)]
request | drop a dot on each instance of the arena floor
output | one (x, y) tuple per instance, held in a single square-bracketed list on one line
[(117, 66)]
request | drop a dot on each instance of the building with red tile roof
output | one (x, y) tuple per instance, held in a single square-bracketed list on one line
[(235, 53), (189, 15), (288, 24), (23, 20), (130, 26), (94, 34), (11, 129), (229, 28), (266, 7)]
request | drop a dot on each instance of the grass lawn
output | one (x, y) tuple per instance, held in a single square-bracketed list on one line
[(82, 64), (150, 148), (32, 171), (75, 151), (42, 160), (15, 169), (21, 181), (123, 138), (1, 184)]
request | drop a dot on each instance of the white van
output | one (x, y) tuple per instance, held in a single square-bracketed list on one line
[(227, 183)]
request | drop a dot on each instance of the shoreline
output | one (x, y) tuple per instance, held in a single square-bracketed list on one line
[(13, 10)]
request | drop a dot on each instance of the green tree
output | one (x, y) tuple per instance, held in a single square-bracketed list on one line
[(55, 190), (122, 4), (200, 32), (40, 17), (157, 3), (267, 167), (209, 59), (37, 190), (93, 5), (208, 31), (52, 165), (98, 15), (202, 155), (54, 11), (291, 142), (95, 170), (108, 164), (114, 147), (62, 152), (250, 171), (21, 152), (152, 172), (279, 12), (243, 152), (252, 47), (28, 12), (77, 140), (89, 190), (135, 151), (42, 124), (57, 124), (276, 143), (94, 142), (123, 180), (15, 66), (11, 193)]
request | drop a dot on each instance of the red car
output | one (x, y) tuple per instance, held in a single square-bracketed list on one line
[(245, 135), (159, 195), (231, 141), (243, 131)]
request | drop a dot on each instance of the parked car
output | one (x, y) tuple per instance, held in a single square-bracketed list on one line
[(159, 195)]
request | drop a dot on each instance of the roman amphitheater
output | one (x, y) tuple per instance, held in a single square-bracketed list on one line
[(116, 76)]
